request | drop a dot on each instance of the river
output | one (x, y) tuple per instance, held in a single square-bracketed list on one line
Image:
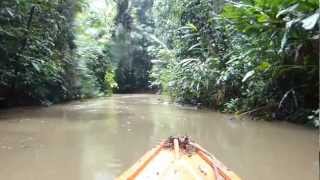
[(98, 139)]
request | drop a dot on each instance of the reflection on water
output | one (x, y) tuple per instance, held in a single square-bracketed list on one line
[(98, 139)]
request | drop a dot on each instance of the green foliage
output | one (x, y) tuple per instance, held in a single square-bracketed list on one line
[(232, 105), (284, 34), (36, 49), (52, 51), (93, 52), (162, 70), (234, 56), (192, 81), (242, 55), (110, 83), (130, 45)]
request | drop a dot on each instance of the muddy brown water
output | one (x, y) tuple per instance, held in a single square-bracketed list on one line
[(98, 139)]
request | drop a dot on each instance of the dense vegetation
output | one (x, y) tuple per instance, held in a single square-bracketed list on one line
[(40, 60), (257, 57), (36, 50), (93, 30), (130, 45)]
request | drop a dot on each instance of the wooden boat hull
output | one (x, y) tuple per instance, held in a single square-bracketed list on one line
[(178, 158)]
